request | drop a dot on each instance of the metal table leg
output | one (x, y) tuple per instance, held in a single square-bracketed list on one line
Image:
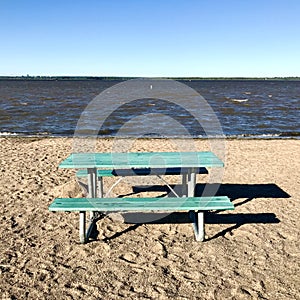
[(196, 216), (92, 193), (82, 236), (184, 185)]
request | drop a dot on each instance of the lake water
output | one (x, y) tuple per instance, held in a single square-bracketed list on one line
[(259, 109)]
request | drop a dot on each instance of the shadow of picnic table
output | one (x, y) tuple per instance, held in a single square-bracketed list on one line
[(246, 192)]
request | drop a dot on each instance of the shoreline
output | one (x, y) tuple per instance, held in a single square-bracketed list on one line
[(226, 138)]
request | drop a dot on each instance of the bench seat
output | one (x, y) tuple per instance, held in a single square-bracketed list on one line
[(169, 204), (141, 204)]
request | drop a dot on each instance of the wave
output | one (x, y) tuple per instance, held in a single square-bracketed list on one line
[(8, 134), (239, 100), (282, 135)]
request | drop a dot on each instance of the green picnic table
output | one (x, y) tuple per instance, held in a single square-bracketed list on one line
[(98, 165)]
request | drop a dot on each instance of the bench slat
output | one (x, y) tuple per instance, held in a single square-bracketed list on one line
[(141, 204)]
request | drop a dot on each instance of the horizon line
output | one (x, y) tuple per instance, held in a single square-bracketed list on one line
[(135, 77)]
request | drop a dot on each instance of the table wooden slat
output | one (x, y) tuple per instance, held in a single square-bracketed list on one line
[(142, 160)]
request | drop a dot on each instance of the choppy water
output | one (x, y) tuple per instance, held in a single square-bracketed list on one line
[(263, 108)]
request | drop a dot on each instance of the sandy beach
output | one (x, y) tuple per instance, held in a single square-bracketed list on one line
[(251, 252)]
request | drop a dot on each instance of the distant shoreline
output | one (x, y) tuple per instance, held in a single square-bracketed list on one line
[(293, 136), (113, 78)]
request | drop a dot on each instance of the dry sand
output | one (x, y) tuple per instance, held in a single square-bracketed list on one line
[(251, 252)]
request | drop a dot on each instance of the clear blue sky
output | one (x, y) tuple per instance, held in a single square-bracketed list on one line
[(150, 37)]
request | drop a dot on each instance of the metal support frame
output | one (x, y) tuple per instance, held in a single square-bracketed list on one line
[(184, 190), (171, 189), (100, 186), (198, 224), (82, 227), (197, 217), (123, 177), (191, 182), (92, 193), (95, 184)]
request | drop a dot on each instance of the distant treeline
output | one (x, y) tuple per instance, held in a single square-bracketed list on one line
[(53, 78), (112, 78)]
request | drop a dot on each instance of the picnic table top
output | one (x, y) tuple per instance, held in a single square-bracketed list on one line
[(142, 160)]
